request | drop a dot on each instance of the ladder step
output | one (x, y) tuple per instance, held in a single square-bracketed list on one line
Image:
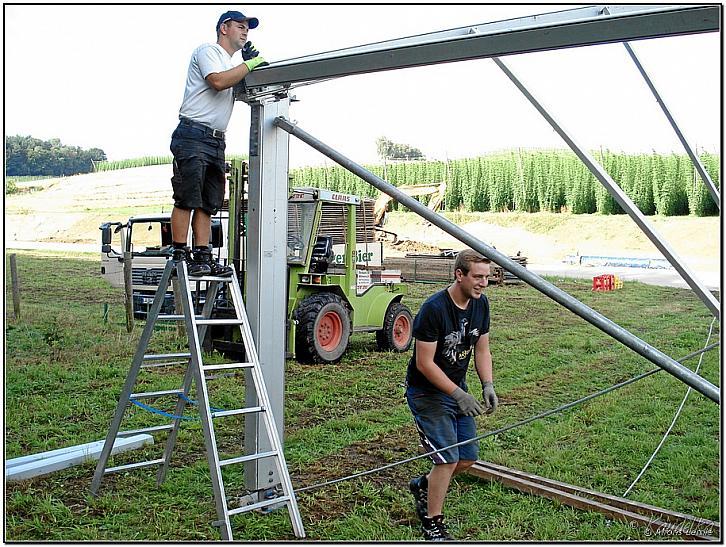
[(163, 356), (248, 410), (172, 317), (164, 364), (154, 394), (241, 459), (151, 429), (138, 465), (220, 322), (228, 366), (258, 505), (211, 278)]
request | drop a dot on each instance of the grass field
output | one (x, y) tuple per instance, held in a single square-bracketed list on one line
[(65, 367)]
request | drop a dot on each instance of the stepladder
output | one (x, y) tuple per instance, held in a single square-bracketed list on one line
[(210, 290)]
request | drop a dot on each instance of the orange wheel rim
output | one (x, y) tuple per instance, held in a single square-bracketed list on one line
[(329, 331), (401, 330)]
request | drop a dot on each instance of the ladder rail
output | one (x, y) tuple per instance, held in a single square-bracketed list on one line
[(264, 401), (127, 389), (186, 384), (210, 441)]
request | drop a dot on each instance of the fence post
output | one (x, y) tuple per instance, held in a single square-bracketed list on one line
[(16, 286), (128, 292)]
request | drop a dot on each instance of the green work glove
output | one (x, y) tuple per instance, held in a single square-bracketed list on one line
[(255, 62), (489, 396), (468, 404)]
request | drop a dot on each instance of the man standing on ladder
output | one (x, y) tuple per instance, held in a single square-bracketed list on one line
[(198, 141), (448, 326)]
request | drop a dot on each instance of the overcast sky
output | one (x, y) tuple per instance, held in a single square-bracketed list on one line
[(112, 77)]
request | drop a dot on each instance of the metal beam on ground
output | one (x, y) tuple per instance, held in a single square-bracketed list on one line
[(658, 520), (623, 200), (569, 28), (625, 337)]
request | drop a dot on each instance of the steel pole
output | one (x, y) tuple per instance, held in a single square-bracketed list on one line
[(631, 341), (623, 200), (691, 154)]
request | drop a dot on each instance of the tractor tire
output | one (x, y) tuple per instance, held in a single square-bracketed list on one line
[(397, 331), (323, 329)]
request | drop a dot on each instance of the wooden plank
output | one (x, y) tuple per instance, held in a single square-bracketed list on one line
[(616, 501), (16, 285), (580, 502)]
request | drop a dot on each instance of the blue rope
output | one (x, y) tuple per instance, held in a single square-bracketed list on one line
[(195, 403), (161, 412), (174, 416)]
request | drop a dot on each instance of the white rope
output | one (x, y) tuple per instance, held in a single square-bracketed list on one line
[(675, 418)]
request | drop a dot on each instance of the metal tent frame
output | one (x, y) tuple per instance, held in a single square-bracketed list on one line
[(267, 91)]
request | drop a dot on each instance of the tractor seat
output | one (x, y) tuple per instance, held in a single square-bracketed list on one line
[(323, 255)]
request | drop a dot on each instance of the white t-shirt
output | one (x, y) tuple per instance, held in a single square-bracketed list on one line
[(202, 103)]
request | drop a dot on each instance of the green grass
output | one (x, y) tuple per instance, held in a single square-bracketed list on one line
[(65, 367)]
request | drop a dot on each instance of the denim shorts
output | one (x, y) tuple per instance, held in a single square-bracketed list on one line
[(440, 423), (199, 179)]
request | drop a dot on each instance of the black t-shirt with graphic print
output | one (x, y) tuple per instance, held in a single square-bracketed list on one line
[(456, 332)]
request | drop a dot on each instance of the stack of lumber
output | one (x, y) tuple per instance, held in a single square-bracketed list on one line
[(438, 268)]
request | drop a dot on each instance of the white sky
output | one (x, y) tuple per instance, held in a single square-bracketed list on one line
[(112, 77)]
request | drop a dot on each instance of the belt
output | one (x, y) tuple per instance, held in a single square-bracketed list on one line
[(216, 133)]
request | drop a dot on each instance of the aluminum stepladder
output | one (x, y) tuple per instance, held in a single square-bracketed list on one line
[(196, 326)]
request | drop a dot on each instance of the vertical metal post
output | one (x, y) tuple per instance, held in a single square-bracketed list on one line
[(267, 276), (128, 291), (16, 285), (691, 154), (623, 200)]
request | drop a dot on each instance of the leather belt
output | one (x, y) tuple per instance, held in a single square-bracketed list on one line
[(216, 133)]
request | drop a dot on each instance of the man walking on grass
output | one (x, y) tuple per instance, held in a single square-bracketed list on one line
[(198, 141), (449, 325)]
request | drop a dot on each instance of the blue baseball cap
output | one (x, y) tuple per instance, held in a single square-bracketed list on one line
[(237, 16)]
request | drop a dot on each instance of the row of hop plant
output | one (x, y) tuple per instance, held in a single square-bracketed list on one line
[(542, 180), (144, 161)]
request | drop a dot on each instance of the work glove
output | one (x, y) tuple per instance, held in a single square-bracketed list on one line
[(468, 404), (255, 62), (249, 51), (489, 397)]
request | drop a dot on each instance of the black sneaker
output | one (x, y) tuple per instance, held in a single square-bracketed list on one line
[(215, 268), (434, 529), (419, 487)]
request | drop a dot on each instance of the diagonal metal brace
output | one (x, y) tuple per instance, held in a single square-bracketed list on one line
[(609, 327)]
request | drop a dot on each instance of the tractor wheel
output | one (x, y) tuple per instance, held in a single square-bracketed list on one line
[(323, 329), (397, 329)]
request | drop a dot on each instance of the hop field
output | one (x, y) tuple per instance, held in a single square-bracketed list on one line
[(542, 180)]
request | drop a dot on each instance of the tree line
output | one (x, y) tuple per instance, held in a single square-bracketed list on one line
[(542, 180), (26, 155)]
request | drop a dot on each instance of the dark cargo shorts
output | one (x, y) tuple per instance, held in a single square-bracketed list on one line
[(198, 180), (440, 423)]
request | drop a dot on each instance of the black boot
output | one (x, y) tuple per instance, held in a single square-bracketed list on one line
[(204, 256), (195, 268)]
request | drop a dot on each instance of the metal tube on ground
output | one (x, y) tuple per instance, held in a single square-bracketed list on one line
[(631, 341)]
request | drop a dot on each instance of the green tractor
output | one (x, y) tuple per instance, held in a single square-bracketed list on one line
[(336, 284)]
